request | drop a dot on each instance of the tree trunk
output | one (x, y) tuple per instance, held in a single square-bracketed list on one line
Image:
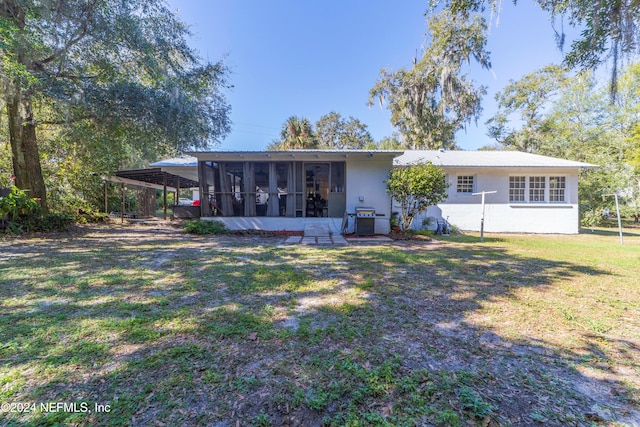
[(146, 202), (24, 147)]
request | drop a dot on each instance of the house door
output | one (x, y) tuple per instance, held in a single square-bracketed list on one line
[(316, 189)]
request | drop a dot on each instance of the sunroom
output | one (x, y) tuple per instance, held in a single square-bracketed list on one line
[(284, 190)]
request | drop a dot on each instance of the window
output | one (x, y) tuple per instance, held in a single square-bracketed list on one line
[(465, 184), (516, 188), (337, 177), (537, 188), (557, 186)]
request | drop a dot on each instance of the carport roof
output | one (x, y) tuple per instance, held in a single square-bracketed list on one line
[(156, 177), (181, 161)]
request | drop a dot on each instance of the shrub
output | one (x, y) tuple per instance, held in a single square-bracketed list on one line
[(48, 222), (415, 188), (394, 222), (17, 205), (627, 211), (473, 402), (454, 229), (429, 222), (591, 218), (23, 213), (205, 227), (86, 216), (10, 227)]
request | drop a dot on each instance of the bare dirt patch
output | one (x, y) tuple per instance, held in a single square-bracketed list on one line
[(244, 330)]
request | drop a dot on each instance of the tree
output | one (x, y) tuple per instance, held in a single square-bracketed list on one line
[(634, 150), (430, 102), (112, 66), (391, 143), (297, 133), (579, 126), (609, 29), (415, 188), (527, 98), (570, 117), (337, 133)]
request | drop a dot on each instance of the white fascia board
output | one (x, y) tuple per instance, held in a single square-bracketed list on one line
[(128, 181)]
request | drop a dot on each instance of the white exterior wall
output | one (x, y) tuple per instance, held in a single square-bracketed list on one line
[(465, 211), (365, 179), (276, 223)]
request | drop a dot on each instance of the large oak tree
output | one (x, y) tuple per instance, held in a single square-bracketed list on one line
[(111, 65), (608, 29), (434, 99)]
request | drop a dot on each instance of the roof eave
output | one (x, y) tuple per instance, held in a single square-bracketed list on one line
[(585, 166), (308, 155)]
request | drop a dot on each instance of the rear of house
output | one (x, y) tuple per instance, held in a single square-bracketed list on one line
[(533, 193), (288, 190)]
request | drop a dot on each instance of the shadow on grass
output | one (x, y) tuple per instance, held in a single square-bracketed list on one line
[(469, 238), (610, 232), (232, 329)]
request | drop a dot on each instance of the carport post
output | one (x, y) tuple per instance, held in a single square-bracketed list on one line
[(106, 205), (164, 197), (122, 204), (482, 193), (176, 198), (202, 178)]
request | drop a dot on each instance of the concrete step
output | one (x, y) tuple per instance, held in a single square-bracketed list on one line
[(316, 230)]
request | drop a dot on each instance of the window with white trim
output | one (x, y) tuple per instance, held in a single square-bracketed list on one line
[(537, 188), (517, 186), (465, 184), (557, 187)]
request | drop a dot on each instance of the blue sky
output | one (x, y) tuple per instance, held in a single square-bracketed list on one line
[(308, 58)]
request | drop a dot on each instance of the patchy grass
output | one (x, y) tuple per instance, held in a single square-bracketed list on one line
[(161, 327)]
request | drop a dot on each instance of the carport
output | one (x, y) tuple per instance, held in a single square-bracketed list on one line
[(154, 178)]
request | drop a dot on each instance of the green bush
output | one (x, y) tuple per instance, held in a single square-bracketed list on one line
[(91, 216), (627, 211), (23, 214), (454, 229), (591, 218), (415, 188), (205, 227), (473, 402), (48, 222), (18, 205), (429, 222)]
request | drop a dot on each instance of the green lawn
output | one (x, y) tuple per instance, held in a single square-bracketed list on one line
[(163, 328)]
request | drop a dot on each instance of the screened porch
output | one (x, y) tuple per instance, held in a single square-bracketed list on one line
[(294, 189)]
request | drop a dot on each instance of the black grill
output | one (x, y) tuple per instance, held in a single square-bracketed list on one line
[(365, 221)]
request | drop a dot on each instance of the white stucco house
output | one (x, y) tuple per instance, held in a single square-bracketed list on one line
[(533, 193), (287, 190)]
